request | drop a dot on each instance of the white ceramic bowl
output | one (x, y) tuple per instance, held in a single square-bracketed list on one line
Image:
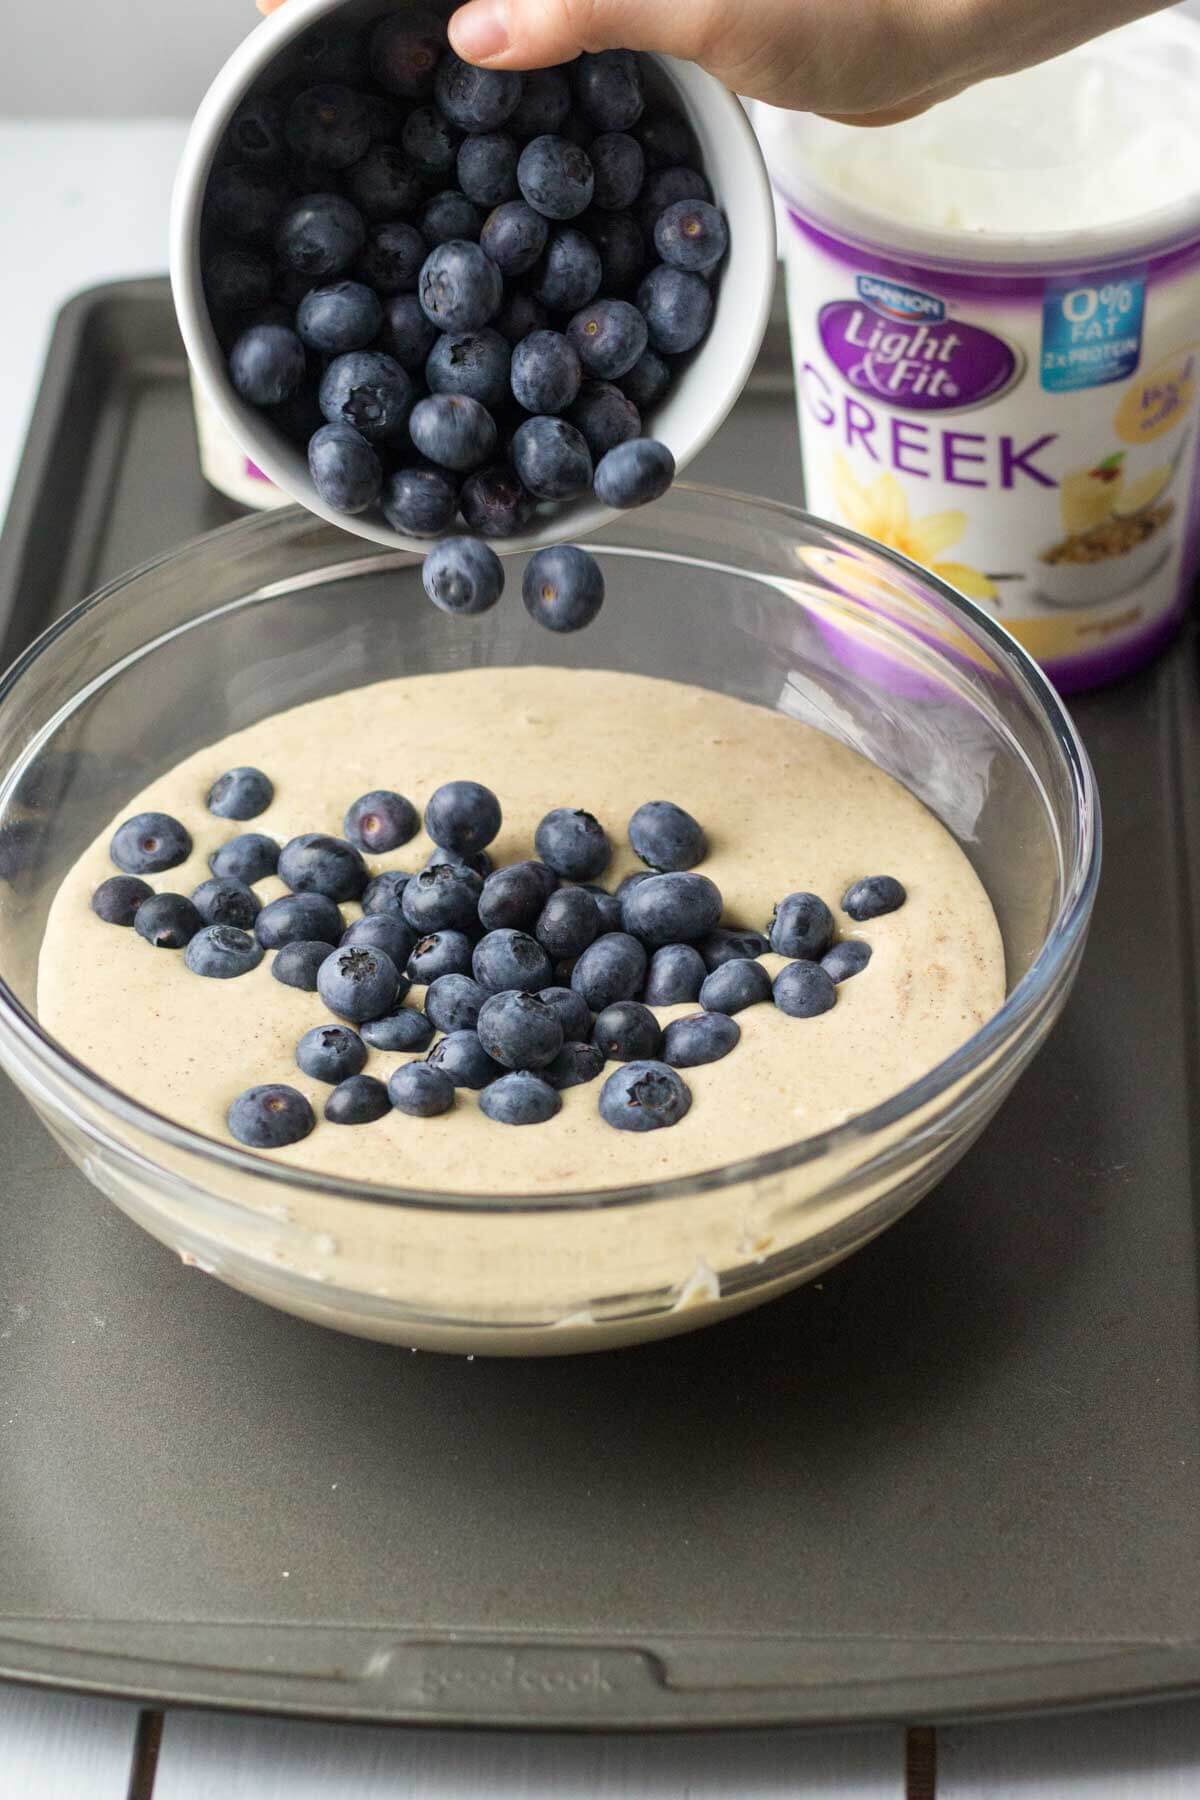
[(691, 413)]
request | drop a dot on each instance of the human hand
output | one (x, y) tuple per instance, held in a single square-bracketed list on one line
[(868, 61)]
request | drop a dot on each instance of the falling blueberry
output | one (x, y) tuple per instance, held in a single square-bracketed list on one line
[(563, 588), (463, 576), (634, 473), (345, 471)]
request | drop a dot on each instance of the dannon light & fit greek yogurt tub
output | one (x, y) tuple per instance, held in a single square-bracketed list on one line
[(995, 315)]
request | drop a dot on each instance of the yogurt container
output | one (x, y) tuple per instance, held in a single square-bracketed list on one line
[(995, 318)]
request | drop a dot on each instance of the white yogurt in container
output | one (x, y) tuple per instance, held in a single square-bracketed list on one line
[(995, 315)]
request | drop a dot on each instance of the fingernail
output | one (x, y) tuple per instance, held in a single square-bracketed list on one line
[(480, 31)]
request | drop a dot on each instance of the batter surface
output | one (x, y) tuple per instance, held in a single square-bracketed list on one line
[(785, 808)]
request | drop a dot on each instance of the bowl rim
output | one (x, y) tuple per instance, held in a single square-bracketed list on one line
[(1019, 1011), (755, 224)]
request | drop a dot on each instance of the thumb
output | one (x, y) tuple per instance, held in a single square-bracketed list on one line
[(537, 34)]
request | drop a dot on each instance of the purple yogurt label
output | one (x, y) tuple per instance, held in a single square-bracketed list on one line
[(920, 361)]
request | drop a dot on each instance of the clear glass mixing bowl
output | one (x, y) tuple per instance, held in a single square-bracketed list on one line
[(734, 594)]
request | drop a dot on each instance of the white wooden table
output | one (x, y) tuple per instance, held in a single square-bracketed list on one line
[(91, 202)]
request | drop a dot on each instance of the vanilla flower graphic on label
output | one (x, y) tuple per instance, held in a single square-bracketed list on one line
[(881, 511)]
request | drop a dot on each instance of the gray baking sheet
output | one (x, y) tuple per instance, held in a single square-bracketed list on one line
[(959, 1474)]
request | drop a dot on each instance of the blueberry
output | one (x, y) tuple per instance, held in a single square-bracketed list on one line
[(569, 273), (644, 1096), (520, 1099), (326, 55), (385, 894), (667, 140), (665, 188), (551, 458), (513, 898), (873, 897), (453, 431), (368, 390), (296, 965), (735, 986), (383, 931), (573, 843), (474, 363), (345, 470), (723, 945), (452, 1003), (448, 216), (621, 246), (495, 504), (150, 842), (346, 315), (244, 201), (514, 237), (380, 821), (678, 308), (266, 364), (620, 169), (555, 177), (463, 816), (315, 863), (569, 922), (487, 169), (442, 898), (648, 382), (392, 258), (666, 837), (574, 1066), (563, 588), (168, 921), (609, 87), (463, 576), (801, 926), (331, 1053), (421, 1091), (222, 952), (608, 908), (319, 235), (476, 100), (419, 502), (519, 1030), (250, 857), (611, 969), (626, 1031), (462, 1057), (406, 1029), (544, 104), (635, 473), (675, 977), (545, 373), (848, 957), (605, 417), (298, 918), (227, 903), (508, 959), (671, 909), (460, 288), (572, 1012), (267, 1118), (407, 335), (700, 1038), (359, 982), (255, 133), (404, 51), (632, 880), (298, 417), (440, 953), (237, 280), (610, 337), (804, 990), (117, 899), (328, 125), (240, 793), (360, 1100), (692, 235)]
